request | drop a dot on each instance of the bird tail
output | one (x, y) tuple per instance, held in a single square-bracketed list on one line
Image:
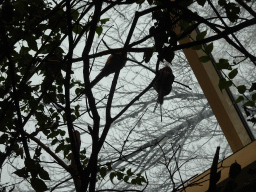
[(160, 109), (155, 107), (160, 98), (94, 82), (161, 113), (97, 79)]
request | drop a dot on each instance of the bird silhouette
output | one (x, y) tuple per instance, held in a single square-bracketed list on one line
[(163, 83), (114, 63)]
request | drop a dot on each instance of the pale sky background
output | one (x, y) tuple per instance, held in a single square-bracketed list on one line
[(208, 145)]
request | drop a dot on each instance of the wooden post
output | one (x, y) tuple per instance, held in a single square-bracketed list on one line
[(220, 102)]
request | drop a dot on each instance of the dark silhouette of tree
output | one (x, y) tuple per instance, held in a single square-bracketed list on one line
[(39, 86)]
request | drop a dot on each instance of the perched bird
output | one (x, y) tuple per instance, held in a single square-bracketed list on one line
[(163, 85), (115, 62)]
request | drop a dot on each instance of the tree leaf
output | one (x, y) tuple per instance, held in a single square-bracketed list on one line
[(201, 35), (99, 30), (134, 181), (209, 48), (32, 44), (38, 184), (104, 21), (59, 148), (44, 174), (62, 132), (22, 172), (249, 103), (3, 138), (152, 30), (241, 89), (224, 84), (253, 87), (184, 25), (223, 64), (222, 2), (197, 47), (77, 29), (126, 178), (186, 3), (168, 55), (66, 150), (46, 49), (140, 2), (239, 99), (31, 165), (138, 181), (232, 11), (254, 97), (111, 176), (120, 175), (150, 2), (233, 73), (122, 169), (204, 59), (147, 55), (201, 2), (143, 179), (109, 166), (103, 172), (129, 172), (54, 141), (74, 14)]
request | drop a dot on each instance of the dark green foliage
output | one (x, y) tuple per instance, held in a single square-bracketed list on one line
[(224, 84), (7, 11), (148, 54), (201, 2), (233, 73), (232, 10), (31, 35), (38, 184), (163, 34), (22, 21)]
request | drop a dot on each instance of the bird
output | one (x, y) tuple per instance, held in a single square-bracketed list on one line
[(114, 63), (163, 85)]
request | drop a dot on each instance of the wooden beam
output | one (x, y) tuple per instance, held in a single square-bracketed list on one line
[(246, 157), (220, 102)]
